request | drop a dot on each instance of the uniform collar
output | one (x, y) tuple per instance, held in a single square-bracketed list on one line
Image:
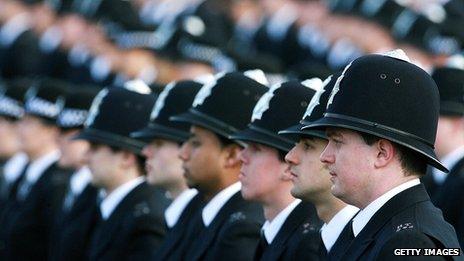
[(14, 167), (217, 202), (271, 228), (175, 209), (330, 231), (80, 179), (448, 161), (111, 201), (37, 167), (13, 28), (363, 217)]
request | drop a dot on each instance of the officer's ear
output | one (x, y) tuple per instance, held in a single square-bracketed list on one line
[(231, 154), (128, 159), (385, 153)]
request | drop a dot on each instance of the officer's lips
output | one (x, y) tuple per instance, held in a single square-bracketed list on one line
[(241, 175), (293, 175), (148, 167), (186, 171), (332, 175)]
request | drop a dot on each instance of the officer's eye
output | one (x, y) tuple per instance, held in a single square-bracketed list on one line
[(307, 146), (195, 142)]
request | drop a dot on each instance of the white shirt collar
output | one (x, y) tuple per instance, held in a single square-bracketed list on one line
[(111, 201), (178, 205), (271, 228), (215, 204), (13, 28), (363, 217), (51, 39), (14, 167), (330, 231), (80, 179), (38, 166), (448, 161)]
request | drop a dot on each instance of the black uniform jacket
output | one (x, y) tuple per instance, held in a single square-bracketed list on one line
[(176, 235), (73, 228), (449, 197), (135, 228), (408, 220), (232, 235), (297, 239), (25, 226)]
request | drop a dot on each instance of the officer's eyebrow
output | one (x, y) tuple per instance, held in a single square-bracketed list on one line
[(331, 133)]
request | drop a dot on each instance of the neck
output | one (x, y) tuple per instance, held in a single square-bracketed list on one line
[(273, 207), (41, 152), (450, 149), (220, 184), (386, 186), (120, 180), (327, 209), (176, 189)]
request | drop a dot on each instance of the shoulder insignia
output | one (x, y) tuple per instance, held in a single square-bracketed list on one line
[(141, 209), (404, 226), (308, 227), (237, 216)]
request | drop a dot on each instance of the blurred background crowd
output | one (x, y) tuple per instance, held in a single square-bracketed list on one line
[(104, 42)]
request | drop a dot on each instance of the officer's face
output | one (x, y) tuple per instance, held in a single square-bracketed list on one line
[(262, 172), (9, 142), (202, 158), (103, 162), (310, 176), (163, 166), (349, 160), (35, 135), (448, 128), (73, 152)]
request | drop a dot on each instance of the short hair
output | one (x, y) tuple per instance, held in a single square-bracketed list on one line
[(411, 163), (139, 159)]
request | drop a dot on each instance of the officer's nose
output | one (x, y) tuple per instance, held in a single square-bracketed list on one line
[(291, 157), (184, 151), (147, 151), (327, 155)]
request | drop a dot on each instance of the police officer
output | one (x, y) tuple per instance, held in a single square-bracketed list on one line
[(26, 223), (292, 227), (76, 215), (11, 111), (132, 222), (164, 167), (311, 180), (228, 227), (375, 155), (447, 189)]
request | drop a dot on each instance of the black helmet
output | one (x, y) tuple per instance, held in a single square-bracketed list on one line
[(224, 105), (114, 114), (177, 97), (389, 97), (314, 111), (450, 85), (280, 107), (76, 107)]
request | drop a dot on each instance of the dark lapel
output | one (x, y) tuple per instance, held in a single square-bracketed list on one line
[(289, 228), (176, 233), (87, 198), (398, 203), (208, 235), (108, 229)]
